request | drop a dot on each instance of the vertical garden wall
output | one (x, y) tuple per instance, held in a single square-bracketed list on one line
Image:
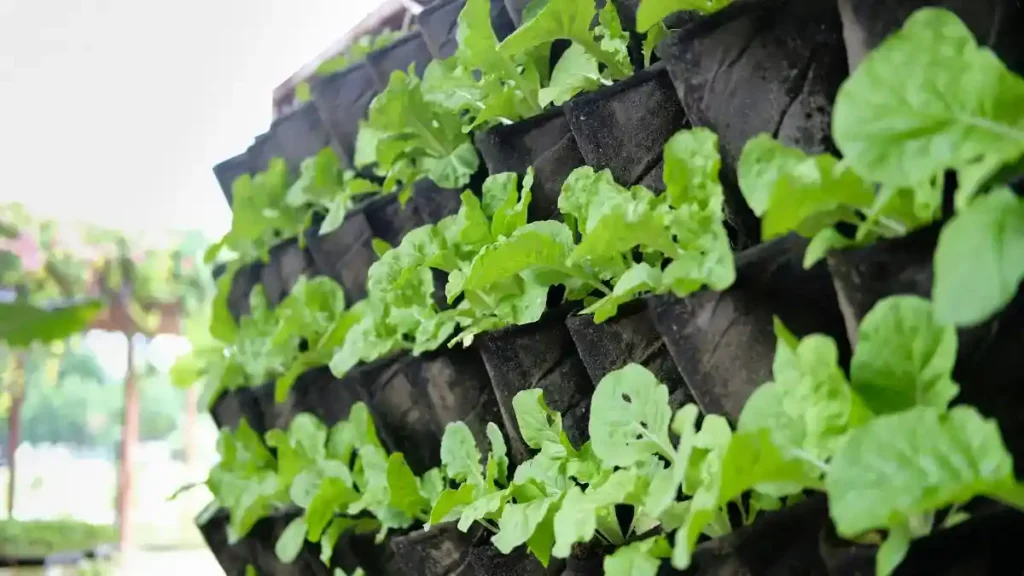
[(655, 287)]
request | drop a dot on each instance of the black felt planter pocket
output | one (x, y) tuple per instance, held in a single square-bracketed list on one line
[(440, 551), (625, 127), (262, 540), (631, 336), (233, 558), (389, 220), (431, 203), (233, 405), (987, 543), (485, 559), (995, 23), (288, 261), (344, 254), (724, 343), (781, 543), (439, 24), (413, 398), (341, 99), (539, 355), (230, 169), (759, 66), (293, 138), (407, 50), (245, 279), (316, 392), (988, 362), (544, 142)]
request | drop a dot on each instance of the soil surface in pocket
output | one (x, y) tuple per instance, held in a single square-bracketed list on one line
[(440, 551), (539, 355), (759, 66), (724, 342)]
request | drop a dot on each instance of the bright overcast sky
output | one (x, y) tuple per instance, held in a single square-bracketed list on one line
[(115, 111)]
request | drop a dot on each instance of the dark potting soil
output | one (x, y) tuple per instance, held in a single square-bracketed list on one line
[(439, 24), (344, 254), (781, 543), (631, 336), (242, 283), (414, 398), (759, 66), (409, 50), (625, 127), (724, 343), (539, 355), (292, 137), (486, 559), (986, 544), (545, 142), (995, 23), (342, 99), (230, 169), (389, 220), (233, 558), (440, 551)]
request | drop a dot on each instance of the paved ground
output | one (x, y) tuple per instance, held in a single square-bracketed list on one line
[(190, 562)]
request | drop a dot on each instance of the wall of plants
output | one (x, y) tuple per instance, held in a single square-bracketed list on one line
[(655, 287)]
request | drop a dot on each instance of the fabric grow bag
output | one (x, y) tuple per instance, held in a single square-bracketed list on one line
[(539, 355), (227, 171), (293, 138), (344, 254), (724, 343), (408, 50), (213, 525), (341, 99), (759, 66), (244, 280)]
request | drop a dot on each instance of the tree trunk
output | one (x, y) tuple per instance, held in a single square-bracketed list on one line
[(129, 440), (14, 429)]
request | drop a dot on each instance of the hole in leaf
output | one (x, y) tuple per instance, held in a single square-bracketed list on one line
[(626, 398)]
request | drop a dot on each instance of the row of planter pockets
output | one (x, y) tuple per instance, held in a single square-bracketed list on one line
[(795, 542), (791, 54), (710, 348)]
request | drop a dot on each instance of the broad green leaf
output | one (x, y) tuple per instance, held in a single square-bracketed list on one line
[(450, 504), (518, 523), (638, 280), (692, 164), (22, 323), (333, 497), (904, 357), (652, 12), (487, 505), (825, 241), (538, 424), (289, 544), (497, 458), (403, 487), (544, 244), (629, 417), (926, 100), (577, 518), (651, 41), (979, 260), (641, 558), (460, 455), (915, 462), (762, 163), (576, 71)]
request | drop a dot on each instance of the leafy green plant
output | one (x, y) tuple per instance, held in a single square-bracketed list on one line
[(344, 480), (895, 157), (325, 187), (245, 480), (651, 12), (406, 137), (487, 82), (358, 51)]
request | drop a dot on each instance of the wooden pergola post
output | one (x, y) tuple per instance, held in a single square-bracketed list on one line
[(129, 441)]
